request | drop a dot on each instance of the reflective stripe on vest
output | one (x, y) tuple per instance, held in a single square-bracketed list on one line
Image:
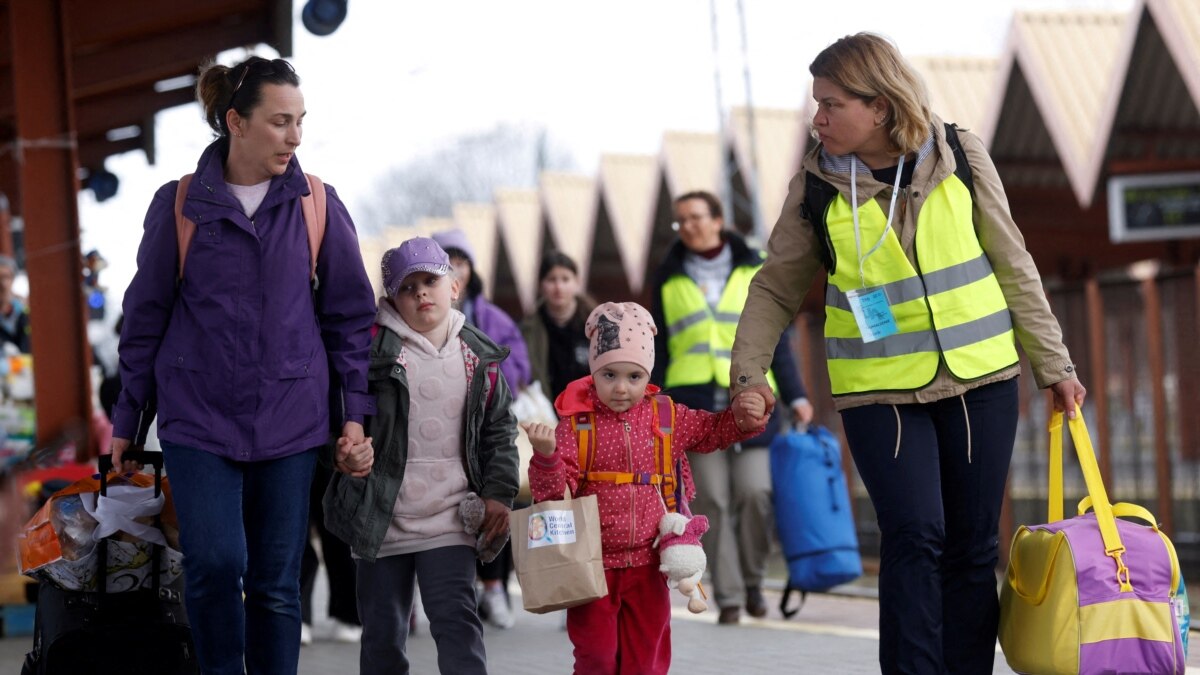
[(700, 340), (952, 311)]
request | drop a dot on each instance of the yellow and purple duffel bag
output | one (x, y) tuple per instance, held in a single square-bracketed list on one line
[(1090, 594)]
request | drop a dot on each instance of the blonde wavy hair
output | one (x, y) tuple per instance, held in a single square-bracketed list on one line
[(867, 65)]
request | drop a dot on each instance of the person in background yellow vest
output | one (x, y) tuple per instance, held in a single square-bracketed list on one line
[(928, 282), (699, 292)]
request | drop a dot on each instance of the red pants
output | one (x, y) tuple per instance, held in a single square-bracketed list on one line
[(629, 631)]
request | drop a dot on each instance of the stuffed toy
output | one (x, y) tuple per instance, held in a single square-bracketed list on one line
[(682, 558), (471, 509)]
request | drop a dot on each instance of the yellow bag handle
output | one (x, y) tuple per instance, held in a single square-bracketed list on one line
[(1127, 510), (1113, 546), (1123, 510)]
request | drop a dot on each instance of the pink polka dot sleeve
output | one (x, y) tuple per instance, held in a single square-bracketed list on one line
[(549, 476), (703, 431)]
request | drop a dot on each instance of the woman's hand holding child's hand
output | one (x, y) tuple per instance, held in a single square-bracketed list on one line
[(750, 410), (354, 458), (541, 437)]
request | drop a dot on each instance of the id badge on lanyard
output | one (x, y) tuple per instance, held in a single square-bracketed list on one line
[(870, 306), (873, 313)]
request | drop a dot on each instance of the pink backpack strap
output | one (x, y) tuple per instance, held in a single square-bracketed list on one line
[(313, 206), (184, 227), (492, 373)]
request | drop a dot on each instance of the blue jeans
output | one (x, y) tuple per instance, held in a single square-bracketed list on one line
[(936, 474), (242, 527)]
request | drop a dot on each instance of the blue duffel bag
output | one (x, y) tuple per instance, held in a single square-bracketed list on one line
[(812, 513)]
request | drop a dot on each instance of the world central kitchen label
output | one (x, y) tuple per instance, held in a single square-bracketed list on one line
[(549, 528)]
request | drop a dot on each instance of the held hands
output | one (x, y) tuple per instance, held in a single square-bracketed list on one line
[(495, 520), (541, 437), (1068, 394), (354, 455), (752, 407)]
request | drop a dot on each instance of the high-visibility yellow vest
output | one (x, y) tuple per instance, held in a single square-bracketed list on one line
[(700, 340), (951, 310)]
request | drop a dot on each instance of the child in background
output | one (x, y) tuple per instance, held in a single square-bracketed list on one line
[(628, 631), (442, 429)]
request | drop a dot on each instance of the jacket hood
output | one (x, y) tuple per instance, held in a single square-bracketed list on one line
[(930, 170), (208, 191), (743, 254), (389, 317), (580, 396)]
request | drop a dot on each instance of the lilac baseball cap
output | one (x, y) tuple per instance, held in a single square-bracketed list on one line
[(419, 254)]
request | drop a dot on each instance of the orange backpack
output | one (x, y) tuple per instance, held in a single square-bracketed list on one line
[(666, 475), (312, 204)]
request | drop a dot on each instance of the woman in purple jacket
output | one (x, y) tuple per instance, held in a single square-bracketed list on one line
[(240, 360)]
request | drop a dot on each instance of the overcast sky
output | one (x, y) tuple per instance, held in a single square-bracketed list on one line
[(600, 76)]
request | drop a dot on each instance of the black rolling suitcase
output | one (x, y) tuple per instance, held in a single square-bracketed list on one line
[(142, 632)]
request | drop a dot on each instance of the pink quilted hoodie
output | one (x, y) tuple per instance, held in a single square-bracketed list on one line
[(629, 513)]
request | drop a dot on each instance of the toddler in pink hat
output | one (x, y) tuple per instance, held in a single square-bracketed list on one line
[(620, 439)]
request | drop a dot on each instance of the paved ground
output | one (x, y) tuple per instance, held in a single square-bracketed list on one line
[(832, 634)]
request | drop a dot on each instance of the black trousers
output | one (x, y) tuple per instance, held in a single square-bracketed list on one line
[(936, 473), (339, 566)]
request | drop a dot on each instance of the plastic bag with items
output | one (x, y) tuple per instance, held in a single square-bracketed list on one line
[(58, 544), (531, 405)]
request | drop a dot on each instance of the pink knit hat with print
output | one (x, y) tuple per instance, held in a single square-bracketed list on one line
[(620, 332)]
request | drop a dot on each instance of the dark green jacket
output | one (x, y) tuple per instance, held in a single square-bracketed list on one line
[(359, 510)]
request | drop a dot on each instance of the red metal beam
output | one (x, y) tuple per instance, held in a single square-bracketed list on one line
[(99, 115), (151, 58), (100, 24), (62, 360)]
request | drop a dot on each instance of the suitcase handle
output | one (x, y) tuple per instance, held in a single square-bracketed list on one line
[(105, 465), (155, 459)]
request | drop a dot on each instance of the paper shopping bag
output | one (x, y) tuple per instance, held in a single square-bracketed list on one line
[(556, 550)]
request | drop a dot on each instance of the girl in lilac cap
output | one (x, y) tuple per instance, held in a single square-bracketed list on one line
[(443, 430)]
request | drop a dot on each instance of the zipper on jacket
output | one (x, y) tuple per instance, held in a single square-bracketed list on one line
[(632, 499)]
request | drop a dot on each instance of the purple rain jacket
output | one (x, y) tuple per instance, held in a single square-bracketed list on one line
[(236, 359), (501, 329)]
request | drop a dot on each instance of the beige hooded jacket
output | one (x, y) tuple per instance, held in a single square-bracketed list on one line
[(793, 262)]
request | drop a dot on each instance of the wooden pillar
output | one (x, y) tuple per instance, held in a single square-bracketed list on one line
[(1099, 376), (1154, 354), (46, 156)]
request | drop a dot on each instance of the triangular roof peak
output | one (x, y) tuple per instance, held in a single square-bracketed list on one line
[(1068, 60)]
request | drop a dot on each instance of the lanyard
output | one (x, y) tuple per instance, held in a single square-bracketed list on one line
[(854, 210)]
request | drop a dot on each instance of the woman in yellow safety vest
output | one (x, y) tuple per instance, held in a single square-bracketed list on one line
[(928, 285)]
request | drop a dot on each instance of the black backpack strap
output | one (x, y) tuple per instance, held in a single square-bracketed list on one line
[(818, 193), (962, 168)]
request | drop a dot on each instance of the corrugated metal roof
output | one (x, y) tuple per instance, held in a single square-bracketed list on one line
[(520, 224), (478, 222), (629, 187), (960, 88), (779, 136), (1068, 60), (1179, 23), (570, 204), (691, 161)]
